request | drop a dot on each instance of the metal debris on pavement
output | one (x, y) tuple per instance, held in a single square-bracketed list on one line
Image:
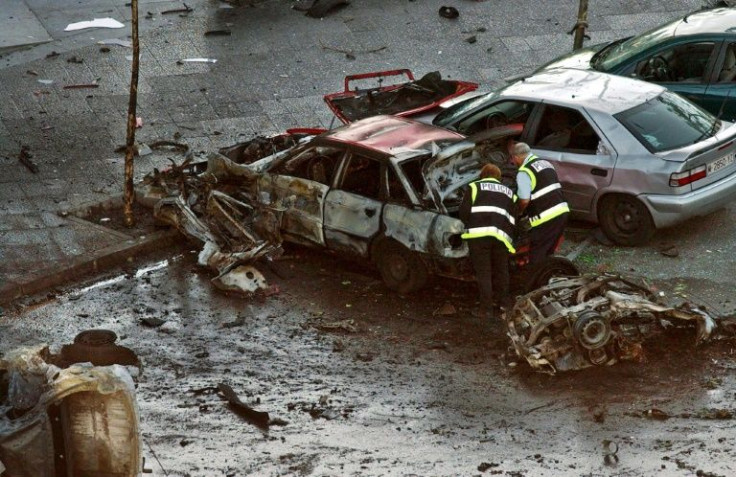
[(186, 9), (596, 320), (257, 418), (81, 415), (25, 158)]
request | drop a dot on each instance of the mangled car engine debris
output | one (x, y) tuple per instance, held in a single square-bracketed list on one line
[(70, 414), (591, 321)]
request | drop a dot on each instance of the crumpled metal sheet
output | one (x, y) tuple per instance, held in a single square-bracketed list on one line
[(580, 322), (228, 230), (97, 417)]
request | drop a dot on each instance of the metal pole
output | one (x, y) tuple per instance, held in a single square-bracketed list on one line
[(129, 192), (581, 25)]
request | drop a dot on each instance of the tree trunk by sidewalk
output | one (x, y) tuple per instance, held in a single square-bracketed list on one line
[(581, 25), (129, 192)]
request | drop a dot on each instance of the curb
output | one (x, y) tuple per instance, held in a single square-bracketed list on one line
[(87, 264)]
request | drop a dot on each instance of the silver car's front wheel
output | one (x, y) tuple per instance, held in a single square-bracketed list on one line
[(625, 220)]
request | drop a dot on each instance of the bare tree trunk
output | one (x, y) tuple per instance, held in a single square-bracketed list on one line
[(581, 25), (129, 192)]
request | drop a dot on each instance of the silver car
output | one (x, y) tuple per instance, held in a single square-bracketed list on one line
[(630, 155)]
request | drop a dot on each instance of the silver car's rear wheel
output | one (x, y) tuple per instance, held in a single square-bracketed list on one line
[(625, 220)]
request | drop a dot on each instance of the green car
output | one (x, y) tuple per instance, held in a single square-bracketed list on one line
[(694, 56)]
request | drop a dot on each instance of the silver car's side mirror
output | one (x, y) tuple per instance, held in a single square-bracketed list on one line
[(602, 150)]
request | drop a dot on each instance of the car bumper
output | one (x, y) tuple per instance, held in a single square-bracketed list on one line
[(669, 210)]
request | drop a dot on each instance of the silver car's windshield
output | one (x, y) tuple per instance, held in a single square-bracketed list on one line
[(668, 121)]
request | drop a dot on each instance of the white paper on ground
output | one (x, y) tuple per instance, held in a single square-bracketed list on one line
[(46, 81), (199, 60), (96, 23)]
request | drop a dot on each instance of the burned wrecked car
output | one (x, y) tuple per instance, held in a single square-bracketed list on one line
[(383, 188), (395, 92), (72, 413), (575, 323)]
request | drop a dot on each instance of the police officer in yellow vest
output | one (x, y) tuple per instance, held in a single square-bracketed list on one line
[(540, 198), (487, 211)]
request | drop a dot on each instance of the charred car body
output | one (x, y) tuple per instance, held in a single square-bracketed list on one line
[(575, 323), (383, 188)]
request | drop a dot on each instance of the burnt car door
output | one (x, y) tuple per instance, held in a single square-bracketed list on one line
[(297, 188), (352, 209), (583, 158)]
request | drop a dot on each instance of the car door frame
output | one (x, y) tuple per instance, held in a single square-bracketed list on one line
[(719, 103), (351, 221), (299, 201), (597, 169)]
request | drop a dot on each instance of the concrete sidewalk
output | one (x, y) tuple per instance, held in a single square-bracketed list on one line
[(270, 74)]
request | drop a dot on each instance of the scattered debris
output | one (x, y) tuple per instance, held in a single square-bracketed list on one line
[(53, 54), (152, 322), (138, 122), (186, 9), (257, 418), (116, 41), (610, 451), (75, 59), (48, 410), (595, 320), (176, 146), (319, 8), (196, 60), (46, 81), (81, 86), (348, 326), (239, 321), (716, 414), (446, 309), (669, 250), (656, 414), (487, 465), (471, 39), (25, 158), (218, 33), (32, 72), (104, 49), (98, 347), (96, 23), (449, 12), (351, 53)]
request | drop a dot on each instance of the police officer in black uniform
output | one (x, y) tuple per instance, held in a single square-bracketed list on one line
[(487, 212), (540, 198)]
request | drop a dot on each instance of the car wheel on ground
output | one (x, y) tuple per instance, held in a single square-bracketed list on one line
[(401, 269), (550, 267), (625, 220)]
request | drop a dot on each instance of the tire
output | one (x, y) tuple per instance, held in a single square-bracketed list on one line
[(552, 266), (401, 269), (625, 220)]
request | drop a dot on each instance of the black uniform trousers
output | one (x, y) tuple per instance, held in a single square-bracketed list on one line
[(543, 238), (490, 259)]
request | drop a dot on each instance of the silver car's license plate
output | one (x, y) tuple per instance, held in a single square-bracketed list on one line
[(719, 164)]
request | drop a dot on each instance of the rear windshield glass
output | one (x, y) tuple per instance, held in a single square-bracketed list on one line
[(668, 121)]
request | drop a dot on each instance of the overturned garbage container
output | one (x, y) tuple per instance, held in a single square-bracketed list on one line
[(62, 417)]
